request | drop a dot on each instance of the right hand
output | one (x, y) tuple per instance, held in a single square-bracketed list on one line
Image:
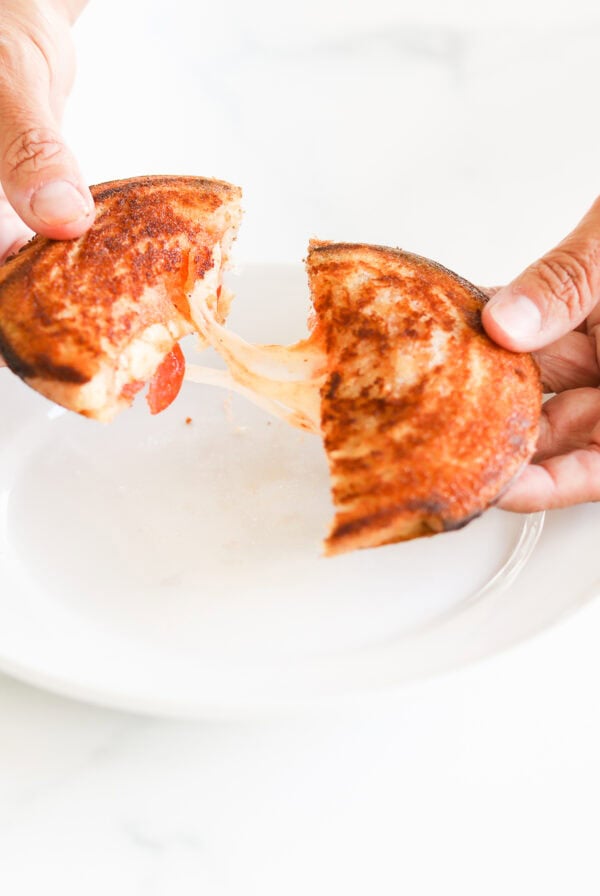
[(42, 189), (553, 310)]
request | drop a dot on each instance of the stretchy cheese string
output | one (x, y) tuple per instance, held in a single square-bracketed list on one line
[(283, 380), (209, 376)]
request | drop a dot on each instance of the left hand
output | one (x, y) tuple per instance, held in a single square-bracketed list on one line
[(41, 189), (553, 310)]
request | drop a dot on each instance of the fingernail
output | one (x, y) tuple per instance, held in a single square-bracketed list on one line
[(59, 202), (516, 315)]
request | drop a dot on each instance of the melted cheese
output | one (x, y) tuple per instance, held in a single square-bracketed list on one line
[(283, 380)]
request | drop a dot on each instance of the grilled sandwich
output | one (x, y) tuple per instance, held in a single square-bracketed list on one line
[(88, 322), (425, 421)]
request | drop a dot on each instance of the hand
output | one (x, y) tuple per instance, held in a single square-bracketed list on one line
[(553, 310), (41, 187)]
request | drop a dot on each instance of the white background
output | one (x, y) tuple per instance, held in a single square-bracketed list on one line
[(468, 132)]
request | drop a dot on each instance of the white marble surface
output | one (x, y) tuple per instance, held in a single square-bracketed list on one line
[(461, 131)]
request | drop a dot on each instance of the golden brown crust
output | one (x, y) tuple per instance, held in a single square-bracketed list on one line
[(68, 308), (425, 420)]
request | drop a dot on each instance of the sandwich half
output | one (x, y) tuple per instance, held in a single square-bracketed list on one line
[(424, 419), (88, 322)]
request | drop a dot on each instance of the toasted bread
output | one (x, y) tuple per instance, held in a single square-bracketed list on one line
[(86, 321), (425, 420)]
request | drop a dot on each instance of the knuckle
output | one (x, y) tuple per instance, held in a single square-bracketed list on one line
[(568, 277), (33, 150)]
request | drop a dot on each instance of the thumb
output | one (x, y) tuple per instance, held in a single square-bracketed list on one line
[(42, 182), (553, 296), (40, 176)]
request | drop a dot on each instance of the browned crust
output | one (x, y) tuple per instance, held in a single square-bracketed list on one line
[(69, 307), (425, 419), (221, 191)]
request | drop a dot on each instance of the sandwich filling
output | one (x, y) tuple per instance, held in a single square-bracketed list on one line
[(283, 380)]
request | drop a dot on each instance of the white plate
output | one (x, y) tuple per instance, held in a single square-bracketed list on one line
[(175, 568)]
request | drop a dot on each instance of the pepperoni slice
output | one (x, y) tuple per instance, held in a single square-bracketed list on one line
[(166, 382)]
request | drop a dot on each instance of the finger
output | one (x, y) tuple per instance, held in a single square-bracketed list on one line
[(569, 363), (553, 296), (13, 233), (12, 228), (569, 421), (557, 482), (39, 174)]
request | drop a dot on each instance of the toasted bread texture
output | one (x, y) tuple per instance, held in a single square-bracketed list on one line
[(425, 420), (82, 321)]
